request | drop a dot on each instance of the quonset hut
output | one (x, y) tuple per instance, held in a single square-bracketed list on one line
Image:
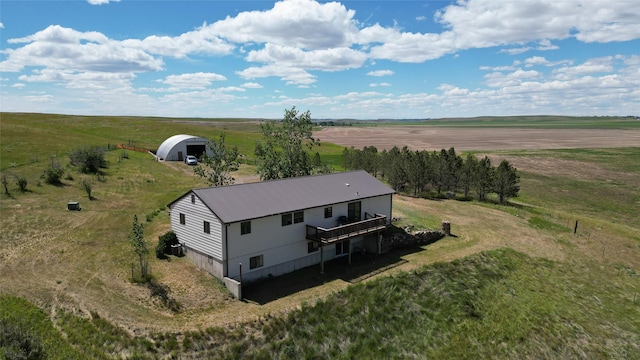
[(177, 147)]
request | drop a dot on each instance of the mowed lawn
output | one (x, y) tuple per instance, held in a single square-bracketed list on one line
[(514, 282)]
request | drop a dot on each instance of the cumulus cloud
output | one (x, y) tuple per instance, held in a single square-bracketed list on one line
[(252, 85), (291, 75), (200, 41), (305, 24), (81, 80), (198, 80), (379, 84), (380, 73), (57, 47), (482, 23), (101, 2), (326, 59)]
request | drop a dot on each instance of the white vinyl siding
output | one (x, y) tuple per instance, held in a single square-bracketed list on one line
[(191, 233), (288, 244), (283, 248)]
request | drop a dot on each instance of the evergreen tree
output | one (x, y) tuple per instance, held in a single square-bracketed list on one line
[(136, 239), (468, 172), (484, 178), (506, 181)]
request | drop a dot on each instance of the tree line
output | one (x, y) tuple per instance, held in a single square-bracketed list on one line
[(286, 149), (423, 173)]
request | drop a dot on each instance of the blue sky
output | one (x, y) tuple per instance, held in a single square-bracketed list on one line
[(349, 59)]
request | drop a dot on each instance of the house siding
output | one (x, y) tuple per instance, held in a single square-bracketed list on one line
[(192, 234), (284, 248)]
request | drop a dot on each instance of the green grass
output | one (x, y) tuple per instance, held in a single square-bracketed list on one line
[(20, 319), (493, 304)]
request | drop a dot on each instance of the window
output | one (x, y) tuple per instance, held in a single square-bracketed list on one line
[(298, 217), (207, 227), (256, 262), (312, 246), (183, 220), (245, 227), (328, 212), (193, 198), (287, 219)]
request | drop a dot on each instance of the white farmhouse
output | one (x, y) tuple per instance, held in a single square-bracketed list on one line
[(249, 231)]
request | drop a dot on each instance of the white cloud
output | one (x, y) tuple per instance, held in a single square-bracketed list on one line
[(380, 73), (66, 49), (483, 23), (421, 18), (101, 2), (1, 25), (81, 80), (536, 60), (379, 84), (498, 79), (18, 85), (592, 66), (198, 80), (328, 59), (200, 41), (305, 24), (291, 75), (252, 85), (515, 51)]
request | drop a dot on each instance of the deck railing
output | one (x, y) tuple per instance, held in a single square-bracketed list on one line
[(343, 232)]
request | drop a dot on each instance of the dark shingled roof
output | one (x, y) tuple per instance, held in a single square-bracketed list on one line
[(254, 200)]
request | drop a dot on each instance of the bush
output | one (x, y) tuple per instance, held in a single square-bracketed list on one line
[(87, 187), (22, 182), (5, 183), (89, 160), (164, 244), (53, 173)]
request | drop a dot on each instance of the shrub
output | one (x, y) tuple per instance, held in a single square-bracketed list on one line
[(53, 173), (164, 244), (22, 182), (87, 187), (5, 183), (89, 160)]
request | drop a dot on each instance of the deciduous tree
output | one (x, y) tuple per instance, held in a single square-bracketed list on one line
[(217, 167), (284, 150)]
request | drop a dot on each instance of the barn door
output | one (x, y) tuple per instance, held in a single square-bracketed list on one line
[(180, 156)]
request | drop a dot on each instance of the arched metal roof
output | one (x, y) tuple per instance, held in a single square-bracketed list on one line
[(170, 143)]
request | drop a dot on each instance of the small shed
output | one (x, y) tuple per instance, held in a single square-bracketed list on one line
[(177, 147)]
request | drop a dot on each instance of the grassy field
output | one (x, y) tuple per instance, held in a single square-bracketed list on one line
[(514, 281)]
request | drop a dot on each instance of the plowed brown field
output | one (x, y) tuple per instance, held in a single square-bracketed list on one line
[(467, 139)]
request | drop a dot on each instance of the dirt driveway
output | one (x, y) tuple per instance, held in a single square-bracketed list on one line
[(466, 139)]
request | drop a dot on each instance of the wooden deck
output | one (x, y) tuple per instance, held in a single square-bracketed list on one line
[(348, 231)]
